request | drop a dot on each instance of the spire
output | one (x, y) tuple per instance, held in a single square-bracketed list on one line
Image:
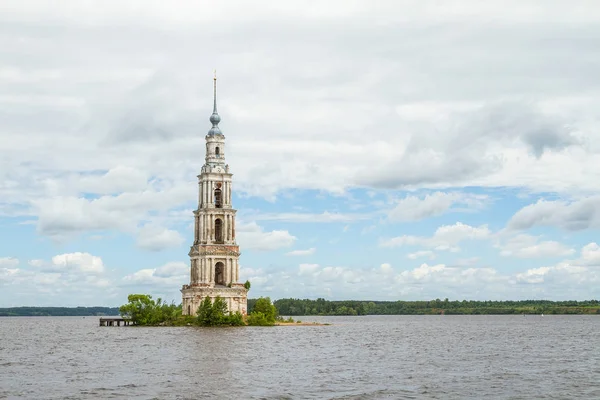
[(215, 118)]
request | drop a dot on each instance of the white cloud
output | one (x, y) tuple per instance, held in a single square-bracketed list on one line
[(171, 275), (81, 262), (446, 237), (306, 252), (527, 246), (452, 135), (421, 253), (307, 269), (576, 215), (106, 138), (252, 237), (414, 208), (116, 180), (36, 263), (563, 274), (156, 238), (8, 262), (172, 269), (69, 279), (324, 217), (426, 282), (386, 268), (590, 255), (63, 216)]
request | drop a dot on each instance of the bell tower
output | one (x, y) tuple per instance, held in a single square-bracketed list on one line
[(214, 255)]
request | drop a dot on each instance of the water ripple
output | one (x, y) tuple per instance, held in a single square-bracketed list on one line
[(375, 357)]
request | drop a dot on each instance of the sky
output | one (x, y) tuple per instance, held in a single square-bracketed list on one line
[(381, 150)]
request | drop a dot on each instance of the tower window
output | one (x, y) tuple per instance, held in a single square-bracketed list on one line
[(218, 198), (217, 150), (220, 273), (218, 230)]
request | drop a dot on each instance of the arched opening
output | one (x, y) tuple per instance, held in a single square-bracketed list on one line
[(189, 310), (218, 198), (218, 230), (219, 273), (217, 150)]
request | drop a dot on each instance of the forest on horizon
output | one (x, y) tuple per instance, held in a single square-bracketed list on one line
[(320, 306)]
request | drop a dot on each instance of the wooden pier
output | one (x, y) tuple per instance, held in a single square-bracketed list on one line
[(114, 321)]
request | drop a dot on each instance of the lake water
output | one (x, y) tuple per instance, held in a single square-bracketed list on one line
[(373, 357)]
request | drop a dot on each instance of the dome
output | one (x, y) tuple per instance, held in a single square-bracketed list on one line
[(214, 131), (215, 118)]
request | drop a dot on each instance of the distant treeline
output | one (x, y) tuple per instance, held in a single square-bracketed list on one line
[(437, 306), (57, 311), (353, 307)]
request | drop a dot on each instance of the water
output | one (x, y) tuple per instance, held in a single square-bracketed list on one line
[(374, 357)]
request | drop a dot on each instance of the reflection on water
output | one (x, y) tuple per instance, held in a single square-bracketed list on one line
[(374, 357)]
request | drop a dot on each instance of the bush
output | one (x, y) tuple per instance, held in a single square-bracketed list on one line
[(263, 313), (142, 310), (216, 314), (258, 319)]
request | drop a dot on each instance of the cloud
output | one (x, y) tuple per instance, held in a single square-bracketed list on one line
[(36, 263), (440, 128), (62, 217), (68, 279), (425, 282), (414, 208), (170, 275), (156, 238), (590, 255), (307, 269), (324, 217), (446, 237), (572, 216), (306, 252), (116, 180), (421, 253), (527, 246), (560, 275), (81, 262), (110, 138), (252, 237), (8, 262)]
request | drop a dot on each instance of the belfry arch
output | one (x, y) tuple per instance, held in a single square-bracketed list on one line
[(218, 198), (220, 273), (218, 230)]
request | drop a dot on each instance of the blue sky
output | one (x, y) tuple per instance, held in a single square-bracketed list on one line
[(380, 151)]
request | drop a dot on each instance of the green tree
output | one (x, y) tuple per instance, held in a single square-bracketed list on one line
[(143, 310), (215, 314), (264, 313)]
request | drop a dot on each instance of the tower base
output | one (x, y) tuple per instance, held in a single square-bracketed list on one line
[(236, 297)]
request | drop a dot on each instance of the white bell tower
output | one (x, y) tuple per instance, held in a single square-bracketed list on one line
[(214, 256)]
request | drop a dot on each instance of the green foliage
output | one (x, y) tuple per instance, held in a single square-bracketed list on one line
[(257, 318), (236, 319), (247, 285), (263, 313), (58, 311), (281, 319), (143, 310), (351, 307), (216, 314)]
